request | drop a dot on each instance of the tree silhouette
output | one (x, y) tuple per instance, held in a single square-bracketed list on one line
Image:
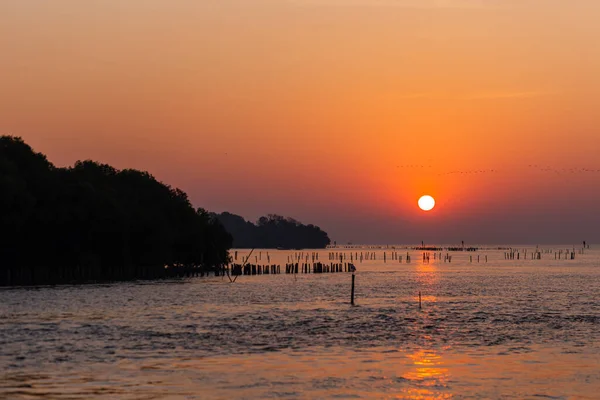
[(273, 231), (94, 222)]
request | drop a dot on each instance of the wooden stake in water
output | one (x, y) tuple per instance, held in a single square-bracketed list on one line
[(419, 300), (352, 293)]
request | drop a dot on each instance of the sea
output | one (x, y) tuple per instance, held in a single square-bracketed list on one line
[(479, 326)]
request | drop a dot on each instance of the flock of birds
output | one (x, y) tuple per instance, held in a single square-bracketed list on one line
[(563, 170), (548, 169), (413, 166), (468, 172)]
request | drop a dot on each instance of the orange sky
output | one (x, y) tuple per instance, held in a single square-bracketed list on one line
[(337, 112)]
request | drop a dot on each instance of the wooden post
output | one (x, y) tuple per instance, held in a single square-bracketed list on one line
[(419, 300), (352, 293)]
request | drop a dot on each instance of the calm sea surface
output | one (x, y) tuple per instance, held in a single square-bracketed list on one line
[(502, 329)]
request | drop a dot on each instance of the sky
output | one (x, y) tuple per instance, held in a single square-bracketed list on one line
[(339, 113)]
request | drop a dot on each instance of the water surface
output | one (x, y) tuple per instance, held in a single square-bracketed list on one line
[(501, 329)]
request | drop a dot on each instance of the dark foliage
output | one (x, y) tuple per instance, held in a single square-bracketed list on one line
[(93, 222), (273, 231)]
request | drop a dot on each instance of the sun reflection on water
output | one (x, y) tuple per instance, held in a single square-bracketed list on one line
[(427, 374), (427, 276)]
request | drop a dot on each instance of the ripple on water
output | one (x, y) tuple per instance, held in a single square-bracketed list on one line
[(480, 332)]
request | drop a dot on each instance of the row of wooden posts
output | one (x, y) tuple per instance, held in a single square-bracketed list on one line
[(316, 268), (289, 268), (313, 257), (366, 256), (478, 258), (569, 254), (307, 262), (254, 269), (436, 256), (258, 257)]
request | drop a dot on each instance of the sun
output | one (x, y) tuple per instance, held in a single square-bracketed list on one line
[(426, 203)]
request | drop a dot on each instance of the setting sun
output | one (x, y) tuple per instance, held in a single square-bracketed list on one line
[(426, 203)]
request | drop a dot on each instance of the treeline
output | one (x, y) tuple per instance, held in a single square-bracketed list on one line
[(273, 231), (92, 222)]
